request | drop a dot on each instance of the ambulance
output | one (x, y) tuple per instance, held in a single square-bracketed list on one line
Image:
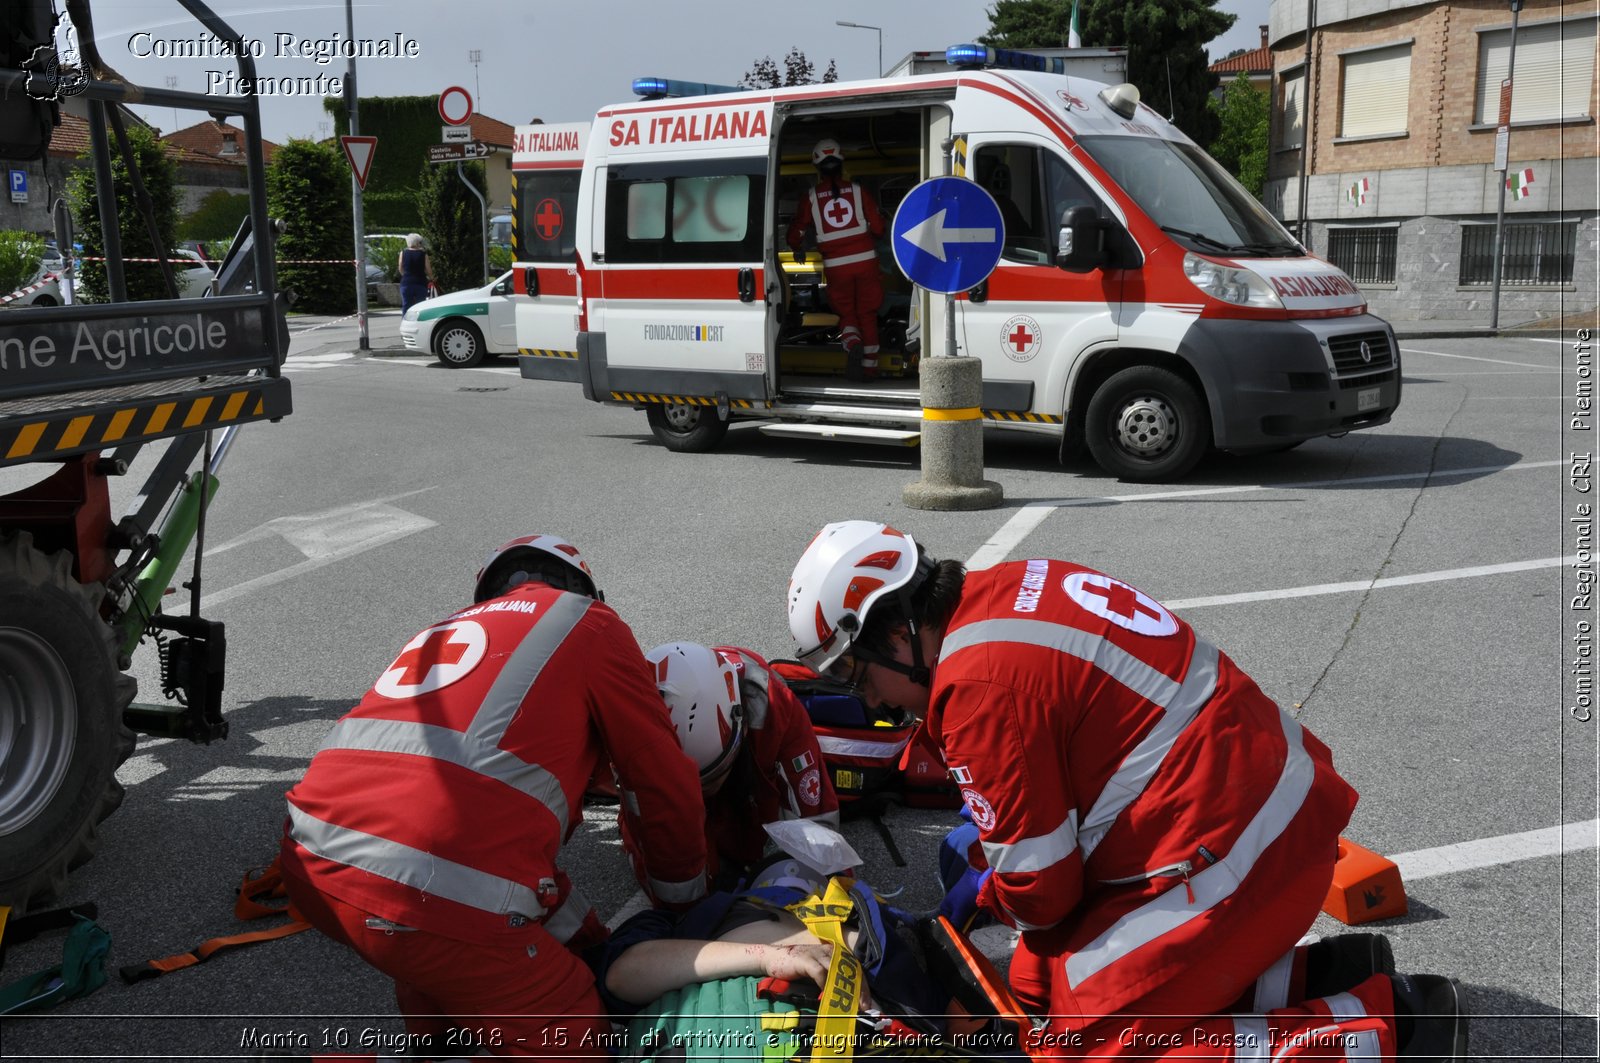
[(1144, 306)]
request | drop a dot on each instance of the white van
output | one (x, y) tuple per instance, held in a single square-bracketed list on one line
[(1186, 317)]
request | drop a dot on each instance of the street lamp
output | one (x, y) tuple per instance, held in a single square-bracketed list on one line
[(876, 29)]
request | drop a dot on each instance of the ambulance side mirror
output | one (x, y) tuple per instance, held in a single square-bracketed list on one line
[(1081, 243)]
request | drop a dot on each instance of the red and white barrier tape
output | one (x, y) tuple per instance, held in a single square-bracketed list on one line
[(280, 262), (29, 290)]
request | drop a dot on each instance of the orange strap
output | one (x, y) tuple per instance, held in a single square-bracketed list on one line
[(259, 885)]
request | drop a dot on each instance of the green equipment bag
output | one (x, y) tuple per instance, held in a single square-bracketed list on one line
[(81, 971)]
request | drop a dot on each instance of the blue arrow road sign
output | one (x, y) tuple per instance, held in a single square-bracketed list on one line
[(947, 234), (19, 186)]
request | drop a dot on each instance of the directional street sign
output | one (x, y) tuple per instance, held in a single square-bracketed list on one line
[(475, 149), (947, 234)]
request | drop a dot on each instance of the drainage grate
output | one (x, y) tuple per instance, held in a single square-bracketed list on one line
[(483, 389)]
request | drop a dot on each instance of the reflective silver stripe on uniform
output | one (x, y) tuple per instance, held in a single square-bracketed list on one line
[(1363, 1046), (854, 192), (1251, 1039), (845, 260), (857, 747), (1272, 988), (568, 918), (516, 678), (1172, 909), (630, 800), (827, 819), (678, 892), (412, 867), (1140, 766), (1036, 853), (1345, 1006), (442, 743), (1181, 701)]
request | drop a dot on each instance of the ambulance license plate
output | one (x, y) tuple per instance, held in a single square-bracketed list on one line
[(1367, 399)]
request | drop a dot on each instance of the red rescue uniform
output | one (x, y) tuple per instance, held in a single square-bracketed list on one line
[(779, 774), (846, 221), (1160, 830), (427, 831)]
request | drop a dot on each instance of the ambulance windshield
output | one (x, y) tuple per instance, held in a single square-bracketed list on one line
[(1185, 191)]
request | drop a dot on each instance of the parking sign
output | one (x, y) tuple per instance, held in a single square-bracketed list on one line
[(19, 186)]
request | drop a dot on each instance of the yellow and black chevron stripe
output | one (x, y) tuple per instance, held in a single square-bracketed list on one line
[(1028, 418), (53, 435), (539, 352), (679, 400)]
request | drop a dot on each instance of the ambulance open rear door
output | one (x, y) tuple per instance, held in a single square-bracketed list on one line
[(547, 166)]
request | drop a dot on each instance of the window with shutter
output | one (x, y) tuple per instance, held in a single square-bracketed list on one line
[(1554, 74), (1376, 92), (1291, 119)]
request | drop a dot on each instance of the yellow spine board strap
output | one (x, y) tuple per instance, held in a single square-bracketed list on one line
[(825, 917)]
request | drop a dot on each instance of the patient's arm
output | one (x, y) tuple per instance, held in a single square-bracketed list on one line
[(652, 968)]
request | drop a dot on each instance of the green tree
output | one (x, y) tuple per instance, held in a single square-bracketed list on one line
[(797, 70), (1241, 144), (160, 181), (1166, 42), (217, 217), (308, 187), (20, 255), (405, 127), (452, 220)]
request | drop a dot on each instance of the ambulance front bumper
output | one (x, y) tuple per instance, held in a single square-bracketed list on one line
[(1274, 382)]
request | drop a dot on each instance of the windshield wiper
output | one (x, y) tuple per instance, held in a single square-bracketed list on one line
[(1279, 248), (1202, 238)]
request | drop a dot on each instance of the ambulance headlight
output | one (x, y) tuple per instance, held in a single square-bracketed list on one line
[(1230, 283)]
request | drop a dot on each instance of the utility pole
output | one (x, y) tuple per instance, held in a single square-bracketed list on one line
[(351, 97), (1308, 101), (1502, 156), (876, 29), (475, 56)]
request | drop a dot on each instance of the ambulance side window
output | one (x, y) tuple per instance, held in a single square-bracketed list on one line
[(545, 228), (685, 212), (1014, 175)]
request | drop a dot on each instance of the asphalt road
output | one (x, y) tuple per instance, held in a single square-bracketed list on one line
[(359, 520)]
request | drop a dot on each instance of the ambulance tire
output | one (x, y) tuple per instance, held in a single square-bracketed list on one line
[(685, 428), (458, 343), (1147, 424), (61, 705)]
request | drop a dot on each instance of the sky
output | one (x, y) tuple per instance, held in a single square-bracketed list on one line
[(558, 62)]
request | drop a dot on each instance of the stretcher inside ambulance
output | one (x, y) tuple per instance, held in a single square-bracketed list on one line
[(1184, 317)]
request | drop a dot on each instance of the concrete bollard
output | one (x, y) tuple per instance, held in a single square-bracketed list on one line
[(952, 439)]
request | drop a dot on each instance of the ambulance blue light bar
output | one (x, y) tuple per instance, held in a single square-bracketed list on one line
[(655, 88), (978, 55)]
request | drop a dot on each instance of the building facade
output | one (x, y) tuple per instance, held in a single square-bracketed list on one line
[(1388, 135)]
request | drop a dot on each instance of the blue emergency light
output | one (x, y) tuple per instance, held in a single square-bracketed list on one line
[(656, 88), (972, 56)]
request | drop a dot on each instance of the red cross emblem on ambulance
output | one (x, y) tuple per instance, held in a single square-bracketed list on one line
[(1019, 338), (1122, 604), (548, 219), (434, 659), (839, 212), (1070, 100)]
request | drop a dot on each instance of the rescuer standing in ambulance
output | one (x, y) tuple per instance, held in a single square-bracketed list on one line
[(1159, 830), (427, 832), (752, 740), (846, 221)]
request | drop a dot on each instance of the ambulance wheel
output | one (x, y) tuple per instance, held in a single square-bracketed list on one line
[(685, 428), (61, 733), (459, 344), (1147, 424)]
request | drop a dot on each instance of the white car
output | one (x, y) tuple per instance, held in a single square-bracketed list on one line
[(464, 328)]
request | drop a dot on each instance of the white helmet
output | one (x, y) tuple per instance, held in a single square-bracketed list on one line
[(540, 548), (701, 689), (848, 566), (827, 148)]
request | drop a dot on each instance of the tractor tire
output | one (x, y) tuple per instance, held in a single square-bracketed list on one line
[(61, 732), (686, 428)]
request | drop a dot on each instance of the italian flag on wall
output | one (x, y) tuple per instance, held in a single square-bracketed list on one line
[(1357, 192), (1518, 182)]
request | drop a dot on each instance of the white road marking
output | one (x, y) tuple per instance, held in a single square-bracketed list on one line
[(1471, 358), (1493, 852), (419, 363), (1030, 516), (1370, 584), (1535, 339), (324, 538)]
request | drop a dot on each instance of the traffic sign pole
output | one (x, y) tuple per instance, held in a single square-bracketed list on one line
[(947, 235), (351, 100)]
